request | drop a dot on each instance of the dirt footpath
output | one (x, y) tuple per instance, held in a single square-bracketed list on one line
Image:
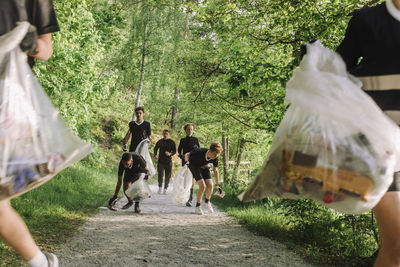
[(165, 234)]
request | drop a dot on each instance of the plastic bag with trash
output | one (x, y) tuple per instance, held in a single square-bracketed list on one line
[(143, 150), (334, 144), (35, 144), (139, 190), (182, 182)]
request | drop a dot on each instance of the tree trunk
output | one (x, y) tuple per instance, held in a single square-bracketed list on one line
[(225, 158), (175, 109), (142, 70), (239, 153)]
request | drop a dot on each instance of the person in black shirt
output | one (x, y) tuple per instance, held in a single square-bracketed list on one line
[(131, 166), (186, 145), (138, 130), (167, 149), (39, 13), (371, 51), (198, 165)]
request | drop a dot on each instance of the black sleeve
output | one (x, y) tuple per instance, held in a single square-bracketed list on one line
[(197, 143), (44, 17), (173, 148), (148, 130), (120, 169), (350, 47), (215, 162), (180, 147), (157, 147)]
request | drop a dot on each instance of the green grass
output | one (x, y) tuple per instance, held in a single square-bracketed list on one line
[(55, 210), (321, 236)]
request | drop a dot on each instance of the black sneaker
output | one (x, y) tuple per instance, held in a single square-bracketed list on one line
[(137, 209), (188, 203), (127, 205)]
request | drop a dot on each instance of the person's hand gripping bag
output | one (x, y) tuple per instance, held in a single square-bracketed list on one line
[(143, 150), (35, 143), (334, 144)]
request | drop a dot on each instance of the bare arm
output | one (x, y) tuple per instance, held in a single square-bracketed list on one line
[(127, 137), (118, 186), (216, 175)]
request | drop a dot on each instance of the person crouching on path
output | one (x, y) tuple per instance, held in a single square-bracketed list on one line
[(167, 149), (186, 145), (131, 165), (198, 165), (138, 130)]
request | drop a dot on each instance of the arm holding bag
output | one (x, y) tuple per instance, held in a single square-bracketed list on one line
[(35, 144), (334, 144)]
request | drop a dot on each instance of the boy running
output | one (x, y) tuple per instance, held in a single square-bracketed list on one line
[(198, 165), (132, 164), (138, 130), (186, 145), (167, 149)]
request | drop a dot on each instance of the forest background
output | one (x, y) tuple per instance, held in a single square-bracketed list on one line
[(220, 64)]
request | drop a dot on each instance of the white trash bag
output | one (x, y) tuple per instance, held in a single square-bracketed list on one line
[(334, 144), (139, 190), (35, 144), (182, 183), (143, 150)]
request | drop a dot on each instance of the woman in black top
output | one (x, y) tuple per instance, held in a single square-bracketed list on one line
[(371, 51), (198, 165), (186, 145)]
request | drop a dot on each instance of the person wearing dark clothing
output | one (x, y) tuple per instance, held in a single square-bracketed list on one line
[(37, 44), (199, 159), (371, 52), (138, 130), (186, 145), (130, 166), (167, 149)]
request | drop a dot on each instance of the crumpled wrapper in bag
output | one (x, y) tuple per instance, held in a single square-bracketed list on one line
[(334, 144), (35, 144)]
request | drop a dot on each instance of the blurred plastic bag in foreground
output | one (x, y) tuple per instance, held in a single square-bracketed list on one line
[(334, 144), (35, 144), (143, 150), (182, 183), (139, 189)]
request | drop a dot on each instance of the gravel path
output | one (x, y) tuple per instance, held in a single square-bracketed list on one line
[(165, 234)]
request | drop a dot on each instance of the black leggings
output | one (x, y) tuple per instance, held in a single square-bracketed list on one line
[(161, 167)]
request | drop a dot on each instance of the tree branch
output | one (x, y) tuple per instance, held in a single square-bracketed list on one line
[(205, 80)]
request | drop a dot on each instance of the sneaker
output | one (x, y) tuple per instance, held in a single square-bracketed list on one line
[(198, 211), (159, 190), (209, 208), (127, 205), (188, 203), (165, 191), (137, 209), (52, 259)]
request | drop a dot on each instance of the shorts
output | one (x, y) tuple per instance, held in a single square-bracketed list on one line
[(200, 173), (132, 177), (395, 186)]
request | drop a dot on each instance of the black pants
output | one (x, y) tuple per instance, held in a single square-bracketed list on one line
[(161, 167)]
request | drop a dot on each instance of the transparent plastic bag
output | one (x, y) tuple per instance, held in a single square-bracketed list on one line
[(182, 183), (139, 190), (143, 150), (35, 144), (334, 144)]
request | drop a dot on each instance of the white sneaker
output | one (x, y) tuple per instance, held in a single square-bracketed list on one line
[(209, 208), (159, 190), (198, 211), (52, 260), (165, 191)]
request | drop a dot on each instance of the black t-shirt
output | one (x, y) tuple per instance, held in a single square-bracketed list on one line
[(40, 13), (138, 166), (198, 158), (165, 145), (187, 144), (139, 133)]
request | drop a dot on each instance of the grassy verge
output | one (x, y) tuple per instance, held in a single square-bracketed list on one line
[(321, 236), (55, 210)]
